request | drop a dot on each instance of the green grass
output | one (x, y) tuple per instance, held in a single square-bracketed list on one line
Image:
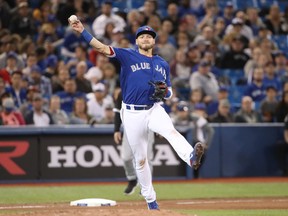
[(266, 212), (51, 194), (48, 194)]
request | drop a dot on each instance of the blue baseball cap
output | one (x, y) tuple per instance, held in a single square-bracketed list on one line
[(36, 68), (182, 106), (200, 106), (146, 30)]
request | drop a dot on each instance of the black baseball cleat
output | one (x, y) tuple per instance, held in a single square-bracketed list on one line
[(130, 189), (197, 154)]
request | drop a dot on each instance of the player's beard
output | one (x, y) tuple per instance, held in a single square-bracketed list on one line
[(145, 47)]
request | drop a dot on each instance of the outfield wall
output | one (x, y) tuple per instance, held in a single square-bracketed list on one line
[(89, 153)]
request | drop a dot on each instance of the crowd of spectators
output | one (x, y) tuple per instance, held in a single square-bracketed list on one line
[(50, 75)]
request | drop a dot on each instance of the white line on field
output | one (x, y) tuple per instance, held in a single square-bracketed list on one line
[(227, 201), (22, 207)]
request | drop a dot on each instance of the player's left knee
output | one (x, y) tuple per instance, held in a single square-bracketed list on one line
[(141, 163)]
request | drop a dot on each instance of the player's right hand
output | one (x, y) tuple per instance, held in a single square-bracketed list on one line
[(117, 137), (77, 26)]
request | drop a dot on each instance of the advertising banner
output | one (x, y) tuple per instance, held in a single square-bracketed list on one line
[(97, 156), (19, 158)]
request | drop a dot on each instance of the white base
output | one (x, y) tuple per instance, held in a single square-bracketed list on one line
[(93, 202)]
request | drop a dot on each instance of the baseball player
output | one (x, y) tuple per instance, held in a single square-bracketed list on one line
[(145, 81), (126, 152)]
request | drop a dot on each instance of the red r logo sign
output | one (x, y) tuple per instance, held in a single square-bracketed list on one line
[(6, 161)]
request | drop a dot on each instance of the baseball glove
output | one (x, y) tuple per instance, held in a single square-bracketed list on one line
[(160, 90)]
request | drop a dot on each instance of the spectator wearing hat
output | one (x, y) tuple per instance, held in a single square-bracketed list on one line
[(228, 13), (238, 27), (9, 46), (105, 17), (202, 131), (42, 82), (109, 115), (223, 113), (15, 90), (210, 58), (9, 116), (22, 22), (181, 115), (38, 116), (205, 80), (193, 54), (68, 95), (246, 114), (50, 66), (223, 93), (97, 104), (235, 58), (269, 104)]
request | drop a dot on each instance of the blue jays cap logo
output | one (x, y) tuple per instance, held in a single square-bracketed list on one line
[(146, 30)]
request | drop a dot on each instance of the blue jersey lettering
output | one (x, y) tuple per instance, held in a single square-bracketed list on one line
[(136, 72)]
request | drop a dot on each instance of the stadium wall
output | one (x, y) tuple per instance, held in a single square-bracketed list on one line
[(89, 154)]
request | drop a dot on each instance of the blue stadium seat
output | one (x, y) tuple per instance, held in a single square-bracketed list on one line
[(236, 93), (233, 75), (281, 41)]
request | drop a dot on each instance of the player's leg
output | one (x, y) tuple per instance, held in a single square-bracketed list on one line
[(160, 123), (150, 155), (135, 125), (129, 167)]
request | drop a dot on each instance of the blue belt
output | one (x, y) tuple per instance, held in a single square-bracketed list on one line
[(135, 107)]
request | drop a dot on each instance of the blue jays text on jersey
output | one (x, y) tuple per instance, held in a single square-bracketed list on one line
[(136, 72)]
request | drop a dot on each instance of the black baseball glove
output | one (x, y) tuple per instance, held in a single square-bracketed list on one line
[(160, 90)]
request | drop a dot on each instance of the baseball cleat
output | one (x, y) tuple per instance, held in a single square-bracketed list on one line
[(197, 155), (153, 205), (130, 189)]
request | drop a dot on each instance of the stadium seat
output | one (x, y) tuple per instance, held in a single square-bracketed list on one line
[(233, 75), (281, 41), (236, 93)]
